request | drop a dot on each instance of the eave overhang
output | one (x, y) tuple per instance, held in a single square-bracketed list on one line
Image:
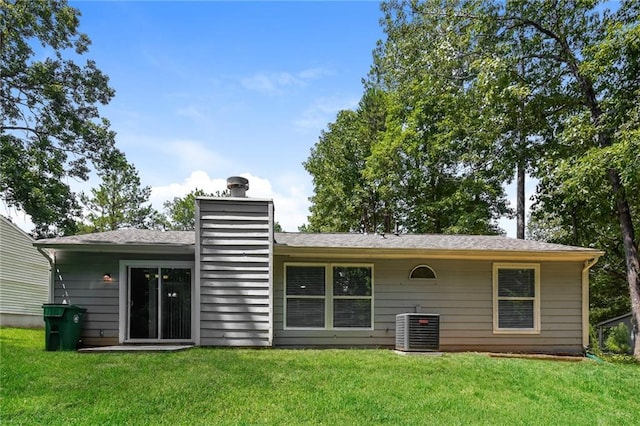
[(123, 248), (397, 253)]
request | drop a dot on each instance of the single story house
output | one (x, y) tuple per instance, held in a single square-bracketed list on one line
[(24, 278), (234, 282)]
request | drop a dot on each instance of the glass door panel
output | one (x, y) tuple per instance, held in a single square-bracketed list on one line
[(143, 303), (159, 303), (176, 303)]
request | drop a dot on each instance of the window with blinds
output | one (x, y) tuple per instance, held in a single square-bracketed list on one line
[(328, 296), (352, 294), (516, 297), (305, 296)]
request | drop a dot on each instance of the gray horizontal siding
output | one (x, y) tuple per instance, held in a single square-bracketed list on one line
[(234, 254), (82, 276), (462, 295)]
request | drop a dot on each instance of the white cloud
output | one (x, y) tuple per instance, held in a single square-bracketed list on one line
[(193, 113), (160, 159), (290, 201), (323, 111), (192, 155), (314, 73), (271, 83), (276, 82)]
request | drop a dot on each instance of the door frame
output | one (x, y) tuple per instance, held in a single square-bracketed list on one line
[(123, 295)]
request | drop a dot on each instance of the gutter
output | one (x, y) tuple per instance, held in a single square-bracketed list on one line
[(437, 253), (587, 265), (124, 248)]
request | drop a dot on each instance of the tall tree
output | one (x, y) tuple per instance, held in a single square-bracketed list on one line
[(345, 200), (120, 201), (428, 62), (51, 129)]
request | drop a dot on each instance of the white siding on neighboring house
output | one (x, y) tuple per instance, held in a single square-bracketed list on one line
[(24, 278), (233, 262)]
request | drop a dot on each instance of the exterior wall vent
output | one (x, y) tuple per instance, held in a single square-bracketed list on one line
[(238, 186), (416, 332)]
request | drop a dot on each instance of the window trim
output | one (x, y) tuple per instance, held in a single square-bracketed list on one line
[(411, 277), (536, 298), (328, 295), (286, 297)]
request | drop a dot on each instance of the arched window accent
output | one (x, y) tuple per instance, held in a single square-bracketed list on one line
[(422, 272)]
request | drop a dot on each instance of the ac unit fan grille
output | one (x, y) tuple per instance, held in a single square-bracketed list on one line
[(418, 332)]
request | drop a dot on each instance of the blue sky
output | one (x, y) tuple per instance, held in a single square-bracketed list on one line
[(210, 89)]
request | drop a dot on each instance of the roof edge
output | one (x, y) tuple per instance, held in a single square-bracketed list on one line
[(122, 248), (471, 254)]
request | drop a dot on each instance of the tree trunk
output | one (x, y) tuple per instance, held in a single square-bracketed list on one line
[(520, 202), (630, 251), (522, 144)]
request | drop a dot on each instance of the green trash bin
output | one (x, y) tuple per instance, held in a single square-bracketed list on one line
[(63, 324)]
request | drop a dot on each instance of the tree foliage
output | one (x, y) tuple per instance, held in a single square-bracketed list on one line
[(345, 199), (382, 167), (437, 145), (181, 211), (51, 129), (120, 201)]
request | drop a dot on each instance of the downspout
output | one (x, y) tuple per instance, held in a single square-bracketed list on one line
[(588, 264), (52, 267)]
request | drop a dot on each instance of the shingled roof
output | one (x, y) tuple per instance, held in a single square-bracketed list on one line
[(185, 240), (421, 241), (124, 238)]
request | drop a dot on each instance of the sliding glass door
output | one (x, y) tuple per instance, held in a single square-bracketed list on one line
[(159, 303)]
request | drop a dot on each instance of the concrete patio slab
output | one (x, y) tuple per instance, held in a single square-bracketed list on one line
[(137, 348)]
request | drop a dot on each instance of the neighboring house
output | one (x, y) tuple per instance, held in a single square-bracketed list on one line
[(234, 282), (24, 278)]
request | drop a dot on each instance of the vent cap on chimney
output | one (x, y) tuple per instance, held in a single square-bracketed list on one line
[(238, 186)]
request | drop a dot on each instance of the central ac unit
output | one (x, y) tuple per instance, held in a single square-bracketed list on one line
[(417, 332)]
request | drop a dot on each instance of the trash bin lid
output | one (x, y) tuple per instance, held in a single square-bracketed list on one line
[(53, 309)]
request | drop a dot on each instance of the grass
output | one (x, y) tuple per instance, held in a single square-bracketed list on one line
[(244, 386)]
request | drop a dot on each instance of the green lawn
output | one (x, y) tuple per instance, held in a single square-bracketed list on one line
[(344, 387)]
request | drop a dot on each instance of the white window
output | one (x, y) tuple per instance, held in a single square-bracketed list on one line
[(333, 296), (305, 289), (516, 298)]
